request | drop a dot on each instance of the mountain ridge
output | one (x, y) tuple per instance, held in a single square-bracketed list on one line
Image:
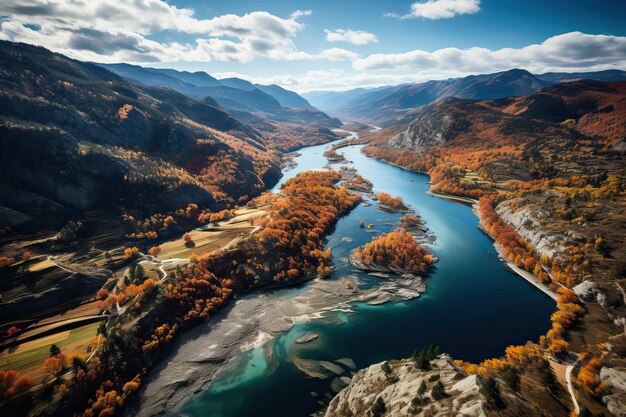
[(386, 106)]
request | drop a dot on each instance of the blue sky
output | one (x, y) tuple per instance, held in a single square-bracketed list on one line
[(309, 45)]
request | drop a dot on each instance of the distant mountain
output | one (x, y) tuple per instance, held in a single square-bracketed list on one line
[(263, 106), (608, 75), (561, 116), (78, 138), (237, 83), (389, 105), (285, 97), (200, 85)]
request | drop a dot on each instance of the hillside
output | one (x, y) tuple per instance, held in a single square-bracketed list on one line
[(386, 106), (549, 170), (403, 389), (77, 138), (278, 113)]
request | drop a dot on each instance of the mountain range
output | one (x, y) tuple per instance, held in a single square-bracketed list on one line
[(385, 106), (78, 138), (260, 105)]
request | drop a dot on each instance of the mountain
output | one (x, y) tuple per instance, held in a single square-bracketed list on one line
[(390, 105), (285, 97), (237, 83), (200, 85), (78, 138), (607, 75), (563, 112), (287, 119)]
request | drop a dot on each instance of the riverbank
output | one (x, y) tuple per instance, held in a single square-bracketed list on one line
[(524, 274), (231, 375), (201, 354), (532, 279), (456, 198)]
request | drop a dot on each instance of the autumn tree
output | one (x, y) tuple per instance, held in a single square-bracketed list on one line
[(55, 365), (588, 377), (397, 251), (13, 331), (102, 293), (12, 384), (154, 251), (395, 203), (131, 252)]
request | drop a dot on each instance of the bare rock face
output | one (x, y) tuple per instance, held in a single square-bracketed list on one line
[(432, 126), (615, 380), (527, 221), (398, 388)]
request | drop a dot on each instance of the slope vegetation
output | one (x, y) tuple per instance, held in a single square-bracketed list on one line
[(549, 170), (76, 137)]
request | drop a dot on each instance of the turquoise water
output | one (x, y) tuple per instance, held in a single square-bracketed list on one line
[(473, 309)]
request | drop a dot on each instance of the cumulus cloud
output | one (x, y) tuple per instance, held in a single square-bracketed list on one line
[(355, 37), (439, 9), (566, 52), (113, 31), (574, 51), (338, 54)]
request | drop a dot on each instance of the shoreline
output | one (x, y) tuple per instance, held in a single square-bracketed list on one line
[(532, 279), (455, 198), (200, 354), (523, 273)]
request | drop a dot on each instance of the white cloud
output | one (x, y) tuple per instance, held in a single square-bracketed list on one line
[(338, 54), (355, 37), (113, 31), (440, 9), (572, 51), (300, 13)]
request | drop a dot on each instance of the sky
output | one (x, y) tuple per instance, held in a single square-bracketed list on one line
[(329, 44)]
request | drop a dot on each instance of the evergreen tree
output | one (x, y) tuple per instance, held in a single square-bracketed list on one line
[(421, 362), (78, 363), (438, 392), (54, 350), (512, 378), (140, 275), (547, 375), (102, 329), (422, 389), (489, 388), (386, 368), (379, 408)]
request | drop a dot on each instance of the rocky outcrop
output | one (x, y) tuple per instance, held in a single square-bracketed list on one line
[(399, 386), (615, 380), (432, 126), (527, 221)]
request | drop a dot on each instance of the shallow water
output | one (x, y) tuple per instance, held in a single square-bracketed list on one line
[(473, 309)]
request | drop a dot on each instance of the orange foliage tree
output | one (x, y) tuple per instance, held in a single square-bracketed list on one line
[(154, 251), (12, 384), (397, 251), (395, 203), (131, 252)]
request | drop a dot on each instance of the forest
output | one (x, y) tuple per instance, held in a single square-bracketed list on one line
[(398, 251), (287, 248)]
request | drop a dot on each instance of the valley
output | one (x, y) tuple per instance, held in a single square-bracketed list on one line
[(173, 243)]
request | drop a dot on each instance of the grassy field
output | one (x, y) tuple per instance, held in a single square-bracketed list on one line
[(28, 358), (207, 241)]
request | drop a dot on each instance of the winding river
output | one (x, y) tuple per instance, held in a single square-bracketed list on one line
[(473, 308)]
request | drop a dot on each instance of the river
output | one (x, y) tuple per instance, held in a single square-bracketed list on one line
[(474, 306)]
